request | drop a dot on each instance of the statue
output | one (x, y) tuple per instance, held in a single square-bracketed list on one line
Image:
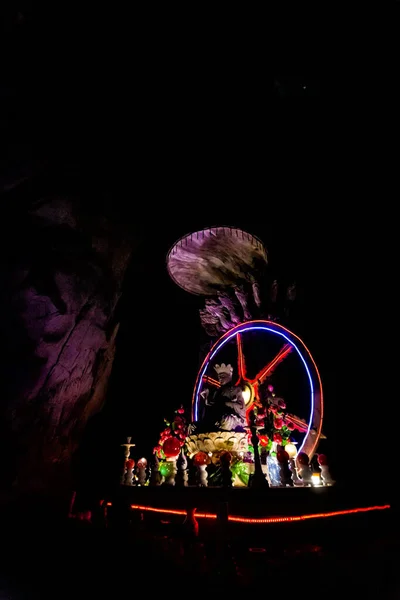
[(291, 292), (225, 409), (182, 476), (256, 292), (229, 310), (290, 298), (229, 305), (155, 477), (210, 323), (242, 296), (217, 310), (274, 291)]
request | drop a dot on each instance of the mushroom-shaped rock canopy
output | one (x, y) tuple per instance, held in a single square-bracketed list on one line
[(209, 260)]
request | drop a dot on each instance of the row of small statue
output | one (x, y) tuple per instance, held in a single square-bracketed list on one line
[(169, 473), (278, 473), (302, 474)]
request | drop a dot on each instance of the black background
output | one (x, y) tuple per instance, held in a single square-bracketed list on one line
[(273, 135)]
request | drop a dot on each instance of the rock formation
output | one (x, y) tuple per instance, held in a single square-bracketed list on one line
[(63, 262)]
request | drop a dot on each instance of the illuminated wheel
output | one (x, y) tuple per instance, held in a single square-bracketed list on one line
[(264, 351)]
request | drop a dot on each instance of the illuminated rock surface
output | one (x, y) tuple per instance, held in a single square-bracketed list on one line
[(61, 281)]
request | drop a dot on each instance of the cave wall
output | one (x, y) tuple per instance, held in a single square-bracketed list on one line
[(62, 268)]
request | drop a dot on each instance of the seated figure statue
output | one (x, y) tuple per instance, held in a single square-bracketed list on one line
[(224, 408)]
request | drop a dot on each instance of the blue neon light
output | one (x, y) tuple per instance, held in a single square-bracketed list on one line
[(242, 329)]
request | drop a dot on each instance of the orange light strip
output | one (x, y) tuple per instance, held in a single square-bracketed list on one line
[(172, 512), (283, 352), (305, 517), (241, 362), (212, 381), (236, 519)]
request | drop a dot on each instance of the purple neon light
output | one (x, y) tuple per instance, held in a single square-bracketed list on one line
[(242, 329)]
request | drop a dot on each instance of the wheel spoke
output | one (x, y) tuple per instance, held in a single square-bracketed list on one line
[(271, 366), (241, 361), (300, 424)]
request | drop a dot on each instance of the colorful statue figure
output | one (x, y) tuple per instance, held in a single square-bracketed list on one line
[(225, 409)]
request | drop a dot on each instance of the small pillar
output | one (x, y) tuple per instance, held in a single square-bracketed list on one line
[(182, 476), (257, 480), (202, 475), (141, 471), (127, 452), (304, 469), (324, 468), (129, 465), (284, 472), (226, 460), (155, 475), (295, 478), (200, 461), (172, 471)]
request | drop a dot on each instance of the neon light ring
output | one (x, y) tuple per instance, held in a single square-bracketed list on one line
[(268, 346)]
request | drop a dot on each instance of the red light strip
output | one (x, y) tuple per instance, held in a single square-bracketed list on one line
[(287, 348), (305, 517), (236, 519), (212, 381), (172, 512)]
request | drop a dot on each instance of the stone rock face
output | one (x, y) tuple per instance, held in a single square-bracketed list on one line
[(62, 268)]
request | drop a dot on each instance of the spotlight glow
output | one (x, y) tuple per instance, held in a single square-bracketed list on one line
[(247, 394)]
